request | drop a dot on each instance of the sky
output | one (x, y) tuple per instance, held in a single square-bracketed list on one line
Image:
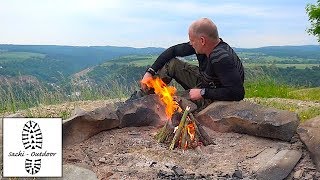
[(152, 23)]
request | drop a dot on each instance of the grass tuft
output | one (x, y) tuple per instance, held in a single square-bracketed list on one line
[(265, 90), (309, 94), (267, 87)]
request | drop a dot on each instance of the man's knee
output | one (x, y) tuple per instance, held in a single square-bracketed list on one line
[(168, 71), (173, 66), (178, 70)]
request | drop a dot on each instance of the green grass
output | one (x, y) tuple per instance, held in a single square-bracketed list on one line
[(18, 56), (309, 113), (263, 87), (16, 96), (266, 87), (304, 112), (309, 94), (278, 105)]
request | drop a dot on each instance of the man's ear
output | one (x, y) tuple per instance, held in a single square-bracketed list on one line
[(203, 40)]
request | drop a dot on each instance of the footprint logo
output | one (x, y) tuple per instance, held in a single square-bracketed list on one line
[(33, 166), (32, 139), (32, 136)]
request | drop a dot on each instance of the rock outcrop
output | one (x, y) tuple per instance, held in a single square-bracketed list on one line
[(309, 133), (84, 125), (145, 111), (249, 118)]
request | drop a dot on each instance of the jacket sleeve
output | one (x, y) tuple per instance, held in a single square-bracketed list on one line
[(231, 88), (179, 50)]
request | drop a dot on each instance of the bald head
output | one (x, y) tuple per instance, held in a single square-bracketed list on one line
[(204, 27)]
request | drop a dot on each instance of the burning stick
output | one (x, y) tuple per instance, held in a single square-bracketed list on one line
[(165, 133), (184, 136), (178, 131)]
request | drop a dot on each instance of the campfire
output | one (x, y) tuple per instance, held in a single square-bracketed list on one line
[(181, 130)]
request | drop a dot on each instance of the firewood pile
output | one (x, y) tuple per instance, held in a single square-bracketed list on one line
[(189, 133)]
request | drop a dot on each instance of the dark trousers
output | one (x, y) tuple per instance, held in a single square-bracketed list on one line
[(187, 75)]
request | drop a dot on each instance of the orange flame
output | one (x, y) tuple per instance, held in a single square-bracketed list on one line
[(165, 93), (191, 131)]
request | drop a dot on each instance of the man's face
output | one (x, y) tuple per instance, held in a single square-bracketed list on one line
[(195, 42)]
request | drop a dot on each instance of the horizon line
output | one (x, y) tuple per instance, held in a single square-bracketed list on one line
[(288, 45)]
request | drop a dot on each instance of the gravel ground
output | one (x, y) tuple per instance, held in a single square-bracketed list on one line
[(132, 153)]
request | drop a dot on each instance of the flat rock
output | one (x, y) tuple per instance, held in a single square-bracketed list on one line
[(279, 166), (271, 163), (249, 118), (86, 124), (72, 172), (309, 133), (260, 160), (145, 111)]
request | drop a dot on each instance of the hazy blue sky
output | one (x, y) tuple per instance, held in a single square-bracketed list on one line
[(145, 23)]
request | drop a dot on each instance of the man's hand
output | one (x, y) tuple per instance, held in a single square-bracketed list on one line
[(195, 94), (143, 83)]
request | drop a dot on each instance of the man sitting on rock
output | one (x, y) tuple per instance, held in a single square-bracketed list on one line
[(220, 74)]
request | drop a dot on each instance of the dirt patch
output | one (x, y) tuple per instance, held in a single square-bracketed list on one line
[(133, 153)]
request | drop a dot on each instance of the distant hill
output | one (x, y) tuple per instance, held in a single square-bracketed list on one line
[(306, 51), (50, 63), (92, 55), (88, 55)]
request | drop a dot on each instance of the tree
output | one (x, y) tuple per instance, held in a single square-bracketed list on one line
[(313, 11)]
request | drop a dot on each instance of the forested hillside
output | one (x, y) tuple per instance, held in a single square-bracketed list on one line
[(306, 52), (51, 63)]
